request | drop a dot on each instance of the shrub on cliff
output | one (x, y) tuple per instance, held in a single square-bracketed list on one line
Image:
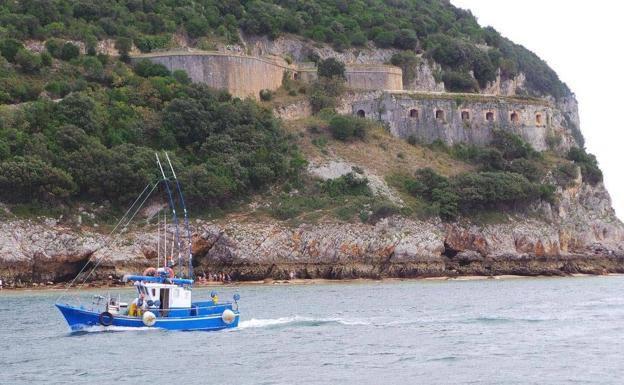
[(266, 95), (330, 68), (146, 68), (9, 48), (587, 162), (69, 51), (457, 81), (344, 127), (407, 61), (475, 191), (349, 184), (324, 93), (511, 145), (28, 61)]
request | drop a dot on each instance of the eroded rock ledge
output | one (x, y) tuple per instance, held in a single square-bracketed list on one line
[(394, 247)]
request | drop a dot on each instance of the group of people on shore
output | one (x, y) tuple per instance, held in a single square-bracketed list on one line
[(215, 277)]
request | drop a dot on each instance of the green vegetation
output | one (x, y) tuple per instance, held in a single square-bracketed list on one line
[(98, 142), (449, 35), (510, 176), (345, 127), (587, 162), (469, 192), (347, 198), (330, 68)]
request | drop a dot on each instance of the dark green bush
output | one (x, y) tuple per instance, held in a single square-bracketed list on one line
[(456, 81), (587, 162), (26, 179), (407, 61), (54, 47), (475, 191), (147, 69), (566, 174), (29, 62), (266, 95), (69, 51), (349, 184), (344, 127), (511, 145), (330, 68), (9, 48)]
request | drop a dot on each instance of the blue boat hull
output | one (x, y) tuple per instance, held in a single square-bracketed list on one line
[(80, 319)]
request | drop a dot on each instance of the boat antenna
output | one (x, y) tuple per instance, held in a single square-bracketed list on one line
[(186, 218), (173, 211)]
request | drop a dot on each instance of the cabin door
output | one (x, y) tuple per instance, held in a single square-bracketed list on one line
[(164, 302)]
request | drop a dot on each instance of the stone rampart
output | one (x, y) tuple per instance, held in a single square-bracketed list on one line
[(374, 77), (243, 76), (460, 118)]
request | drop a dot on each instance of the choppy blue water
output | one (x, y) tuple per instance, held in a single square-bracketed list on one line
[(518, 331)]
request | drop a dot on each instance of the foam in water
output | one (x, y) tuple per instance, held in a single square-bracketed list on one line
[(101, 329), (296, 321)]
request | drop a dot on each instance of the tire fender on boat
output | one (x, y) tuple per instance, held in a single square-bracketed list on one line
[(106, 318), (149, 318), (228, 316)]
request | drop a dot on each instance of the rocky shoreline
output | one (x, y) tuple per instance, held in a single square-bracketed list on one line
[(46, 253)]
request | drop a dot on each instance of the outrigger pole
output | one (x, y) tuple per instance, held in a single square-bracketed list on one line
[(186, 219), (173, 210)]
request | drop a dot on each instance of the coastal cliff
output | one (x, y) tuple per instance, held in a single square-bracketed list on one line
[(582, 235), (324, 151)]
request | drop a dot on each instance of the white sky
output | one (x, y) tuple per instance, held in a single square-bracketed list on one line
[(581, 41)]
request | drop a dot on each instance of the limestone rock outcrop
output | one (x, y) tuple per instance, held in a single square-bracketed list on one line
[(582, 235)]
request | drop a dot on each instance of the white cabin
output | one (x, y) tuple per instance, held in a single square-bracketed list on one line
[(168, 295)]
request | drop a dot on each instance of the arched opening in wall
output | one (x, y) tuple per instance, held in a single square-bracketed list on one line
[(361, 113), (296, 76), (413, 113), (439, 114), (538, 119), (465, 115), (489, 116), (515, 118)]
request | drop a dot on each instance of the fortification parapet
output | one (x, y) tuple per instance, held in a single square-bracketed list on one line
[(461, 118), (241, 75), (374, 77)]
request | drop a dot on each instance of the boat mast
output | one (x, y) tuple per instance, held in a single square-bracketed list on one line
[(158, 241), (165, 243), (186, 219), (173, 211)]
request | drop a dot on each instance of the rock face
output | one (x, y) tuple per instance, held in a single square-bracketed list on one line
[(578, 235)]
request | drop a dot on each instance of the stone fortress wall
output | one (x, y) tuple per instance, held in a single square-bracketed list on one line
[(460, 118), (378, 93), (244, 76)]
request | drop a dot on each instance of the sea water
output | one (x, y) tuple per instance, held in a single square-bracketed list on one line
[(511, 331)]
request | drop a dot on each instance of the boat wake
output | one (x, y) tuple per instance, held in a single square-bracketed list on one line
[(108, 329), (297, 321)]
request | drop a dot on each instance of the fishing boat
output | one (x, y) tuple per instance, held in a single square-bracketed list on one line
[(163, 298)]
